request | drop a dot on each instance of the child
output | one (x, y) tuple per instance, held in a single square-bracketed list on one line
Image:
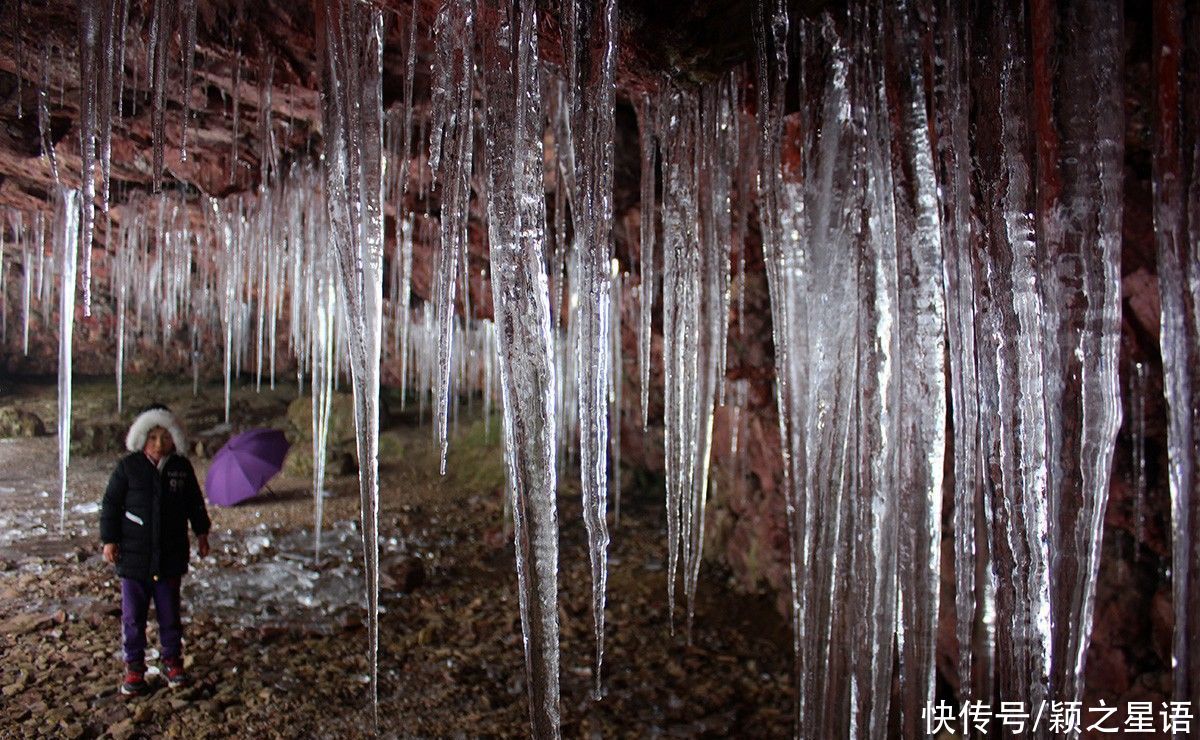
[(151, 497)]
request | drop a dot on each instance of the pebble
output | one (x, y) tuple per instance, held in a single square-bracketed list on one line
[(121, 730)]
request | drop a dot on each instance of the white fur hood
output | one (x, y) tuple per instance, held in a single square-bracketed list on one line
[(135, 440)]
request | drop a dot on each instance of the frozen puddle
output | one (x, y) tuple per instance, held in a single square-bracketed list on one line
[(262, 579)]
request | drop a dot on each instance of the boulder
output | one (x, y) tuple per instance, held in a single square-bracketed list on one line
[(20, 423), (97, 437), (341, 419), (299, 461)]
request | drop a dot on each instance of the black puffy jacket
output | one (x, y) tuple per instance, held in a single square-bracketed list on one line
[(146, 513)]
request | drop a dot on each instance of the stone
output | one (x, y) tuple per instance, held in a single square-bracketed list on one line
[(341, 420), (23, 624), (16, 422), (72, 730), (91, 437), (141, 713), (121, 730), (405, 574)]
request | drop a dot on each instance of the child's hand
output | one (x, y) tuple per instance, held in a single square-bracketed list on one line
[(202, 545), (110, 552)]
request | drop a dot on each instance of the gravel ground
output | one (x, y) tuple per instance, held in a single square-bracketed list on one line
[(276, 642)]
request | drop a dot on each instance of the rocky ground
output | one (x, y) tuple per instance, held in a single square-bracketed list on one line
[(277, 646)]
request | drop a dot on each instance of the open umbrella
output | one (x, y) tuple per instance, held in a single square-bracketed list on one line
[(243, 466)]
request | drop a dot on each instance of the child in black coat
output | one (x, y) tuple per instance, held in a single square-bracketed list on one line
[(151, 498)]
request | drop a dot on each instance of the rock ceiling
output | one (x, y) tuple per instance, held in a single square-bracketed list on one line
[(242, 44)]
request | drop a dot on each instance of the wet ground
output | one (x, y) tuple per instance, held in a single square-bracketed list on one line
[(275, 639)]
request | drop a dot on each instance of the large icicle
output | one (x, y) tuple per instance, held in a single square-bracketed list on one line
[(874, 556), (451, 148), (520, 293), (112, 51), (1176, 179), (1011, 372), (162, 26), (90, 21), (187, 40), (1079, 122), (590, 34), (826, 210), (952, 123), (921, 330), (681, 325), (66, 245), (352, 107), (121, 273), (616, 383), (323, 327)]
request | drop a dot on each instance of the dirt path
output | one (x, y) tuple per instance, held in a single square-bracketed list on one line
[(277, 645)]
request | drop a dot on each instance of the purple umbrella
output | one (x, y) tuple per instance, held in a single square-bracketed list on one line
[(243, 466)]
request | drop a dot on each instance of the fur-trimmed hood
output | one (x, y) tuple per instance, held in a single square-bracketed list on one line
[(135, 440)]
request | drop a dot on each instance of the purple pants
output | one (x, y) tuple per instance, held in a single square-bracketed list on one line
[(135, 603)]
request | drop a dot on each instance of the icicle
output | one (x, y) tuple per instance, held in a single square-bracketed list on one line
[(112, 48), (488, 375), (1079, 130), (616, 380), (516, 219), (66, 244), (681, 325), (1176, 174), (323, 370), (830, 251), (952, 124), (352, 103), (268, 158), (43, 95), (402, 297), (27, 269), (90, 20), (20, 34), (1137, 434), (1012, 371), (121, 278), (590, 31), (122, 26), (646, 112), (450, 158), (410, 71), (921, 324), (188, 39), (4, 292), (226, 225), (721, 151), (161, 31), (237, 114)]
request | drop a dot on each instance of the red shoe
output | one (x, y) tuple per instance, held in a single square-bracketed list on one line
[(176, 676), (135, 680)]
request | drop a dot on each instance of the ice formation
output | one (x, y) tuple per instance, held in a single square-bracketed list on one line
[(525, 344), (66, 248), (352, 107), (1176, 211), (590, 49), (940, 214)]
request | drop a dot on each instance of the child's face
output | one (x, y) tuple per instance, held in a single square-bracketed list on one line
[(158, 444)]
